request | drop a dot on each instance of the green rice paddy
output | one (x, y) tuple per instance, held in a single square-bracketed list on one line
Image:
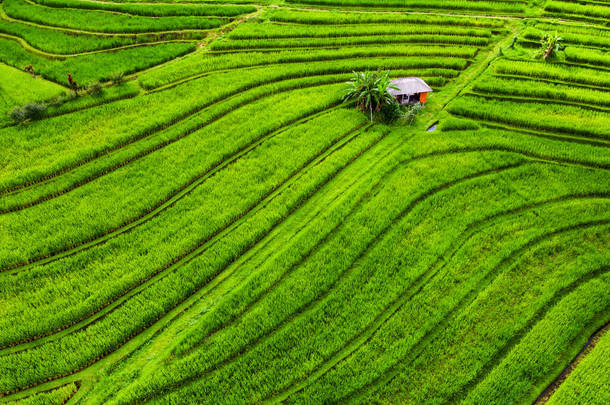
[(214, 224)]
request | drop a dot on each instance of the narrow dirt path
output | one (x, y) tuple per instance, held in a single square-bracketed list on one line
[(553, 386)]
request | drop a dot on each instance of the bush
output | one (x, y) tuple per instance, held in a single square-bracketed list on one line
[(95, 89), (117, 78), (395, 112), (412, 111), (18, 115), (29, 111), (392, 112)]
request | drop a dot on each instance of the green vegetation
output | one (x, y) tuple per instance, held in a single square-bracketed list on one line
[(86, 68), (87, 20), (506, 6), (57, 396), (19, 88), (586, 382), (229, 206), (549, 46), (371, 91)]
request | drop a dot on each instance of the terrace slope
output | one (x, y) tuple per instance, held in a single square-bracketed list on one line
[(223, 228)]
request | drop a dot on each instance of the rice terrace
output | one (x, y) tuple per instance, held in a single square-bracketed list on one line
[(305, 201)]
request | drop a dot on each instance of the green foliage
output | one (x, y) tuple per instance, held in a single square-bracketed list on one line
[(117, 78), (524, 89), (370, 91), (89, 20), (549, 46), (493, 6), (587, 382), (57, 396), (87, 67), (595, 10), (412, 111), (30, 111), (392, 112), (235, 234), (60, 42), (556, 118), (339, 60), (156, 10), (554, 73), (346, 17), (458, 124), (587, 56), (269, 30), (95, 89), (282, 43)]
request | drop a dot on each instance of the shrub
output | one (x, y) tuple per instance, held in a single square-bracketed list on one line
[(412, 112), (18, 115), (29, 111), (117, 78), (392, 112), (95, 89)]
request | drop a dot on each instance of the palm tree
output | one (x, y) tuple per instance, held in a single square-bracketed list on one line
[(370, 90)]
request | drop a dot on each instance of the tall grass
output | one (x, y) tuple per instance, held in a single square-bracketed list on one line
[(587, 38), (69, 353), (59, 42), (587, 381), (589, 10), (92, 133), (524, 88), (541, 347), (587, 56), (156, 10), (329, 17), (347, 41), (513, 6), (234, 355), (559, 73), (103, 22), (196, 64), (547, 117), (93, 67), (265, 31)]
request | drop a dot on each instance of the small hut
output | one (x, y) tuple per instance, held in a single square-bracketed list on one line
[(410, 90)]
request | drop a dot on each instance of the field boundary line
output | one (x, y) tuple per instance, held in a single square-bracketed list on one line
[(147, 133), (59, 56), (9, 349), (417, 284), (108, 169), (519, 334), (307, 306), (399, 165), (192, 256), (191, 300), (8, 18), (542, 133), (417, 349), (548, 392), (552, 81), (542, 100)]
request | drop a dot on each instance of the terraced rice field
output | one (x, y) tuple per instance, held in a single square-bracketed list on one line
[(218, 226)]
